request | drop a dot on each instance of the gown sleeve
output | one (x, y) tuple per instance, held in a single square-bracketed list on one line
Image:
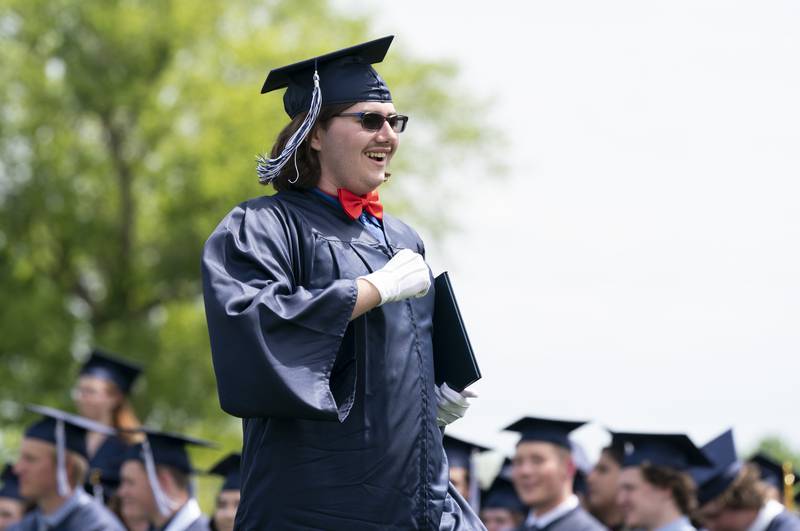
[(274, 342)]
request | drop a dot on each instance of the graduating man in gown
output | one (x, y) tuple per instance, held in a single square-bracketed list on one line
[(319, 309), (731, 496), (656, 492), (156, 481), (51, 467), (101, 394), (543, 473)]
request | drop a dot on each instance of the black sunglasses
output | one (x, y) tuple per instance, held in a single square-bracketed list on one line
[(373, 121)]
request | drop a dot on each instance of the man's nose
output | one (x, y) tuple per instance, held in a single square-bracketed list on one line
[(386, 133)]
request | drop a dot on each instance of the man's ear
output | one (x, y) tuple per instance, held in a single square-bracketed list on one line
[(314, 139), (165, 479)]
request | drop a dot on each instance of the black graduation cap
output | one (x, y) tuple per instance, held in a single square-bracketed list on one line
[(103, 365), (345, 76), (672, 450), (771, 471), (546, 430), (166, 448), (230, 468), (67, 432), (459, 452), (9, 484), (501, 495), (73, 428), (713, 480)]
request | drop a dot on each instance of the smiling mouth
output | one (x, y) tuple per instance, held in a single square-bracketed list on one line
[(376, 156)]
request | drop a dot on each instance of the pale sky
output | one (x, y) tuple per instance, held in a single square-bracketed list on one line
[(640, 266)]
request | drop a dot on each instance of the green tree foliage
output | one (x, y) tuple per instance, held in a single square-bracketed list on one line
[(128, 128)]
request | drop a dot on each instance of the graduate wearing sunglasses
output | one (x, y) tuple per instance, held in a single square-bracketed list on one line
[(319, 307)]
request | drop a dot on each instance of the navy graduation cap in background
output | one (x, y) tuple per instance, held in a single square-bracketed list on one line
[(9, 484), (121, 372), (546, 430), (67, 432), (770, 470), (460, 452), (501, 495), (230, 468), (671, 450), (713, 480), (166, 448), (343, 76)]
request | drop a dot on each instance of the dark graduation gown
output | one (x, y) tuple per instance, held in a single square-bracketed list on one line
[(105, 464), (785, 521), (339, 417), (87, 515), (575, 520)]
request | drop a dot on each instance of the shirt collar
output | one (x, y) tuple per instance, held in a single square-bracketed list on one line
[(766, 515), (185, 516), (543, 520), (681, 524), (77, 499)]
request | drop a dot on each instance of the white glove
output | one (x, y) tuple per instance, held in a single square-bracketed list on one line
[(452, 405), (406, 275)]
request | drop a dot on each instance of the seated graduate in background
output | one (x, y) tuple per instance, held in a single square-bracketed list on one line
[(656, 492), (156, 480), (501, 508), (12, 505), (101, 394), (51, 469), (771, 473), (460, 455), (603, 486), (230, 468), (543, 473), (731, 496), (320, 318)]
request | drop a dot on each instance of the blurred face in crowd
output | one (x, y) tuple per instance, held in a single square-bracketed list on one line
[(134, 491), (36, 469), (11, 511), (603, 483), (459, 477), (716, 517), (352, 157), (95, 398), (642, 504), (225, 511), (497, 519), (542, 474)]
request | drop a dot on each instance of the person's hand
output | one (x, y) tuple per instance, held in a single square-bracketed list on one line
[(451, 405), (406, 275)]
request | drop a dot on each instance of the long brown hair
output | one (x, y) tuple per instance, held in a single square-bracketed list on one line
[(123, 417), (306, 175)]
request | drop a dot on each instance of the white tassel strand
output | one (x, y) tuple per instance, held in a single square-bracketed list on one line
[(268, 169)]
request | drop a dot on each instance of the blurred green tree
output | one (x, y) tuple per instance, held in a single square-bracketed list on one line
[(128, 129)]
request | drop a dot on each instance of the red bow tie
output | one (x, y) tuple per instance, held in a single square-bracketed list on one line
[(354, 204)]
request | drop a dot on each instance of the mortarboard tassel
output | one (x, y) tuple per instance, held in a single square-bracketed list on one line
[(164, 503), (474, 484), (61, 461), (268, 169)]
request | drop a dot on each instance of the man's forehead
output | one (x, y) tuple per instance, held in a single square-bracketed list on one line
[(374, 106), (538, 448), (36, 446), (132, 467)]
